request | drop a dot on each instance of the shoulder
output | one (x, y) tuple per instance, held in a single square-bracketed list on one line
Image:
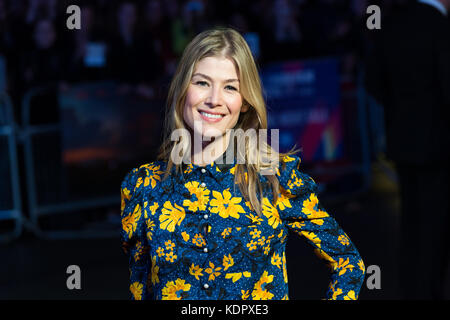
[(145, 175), (292, 180)]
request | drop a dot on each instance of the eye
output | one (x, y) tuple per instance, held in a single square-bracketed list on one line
[(201, 83), (231, 88)]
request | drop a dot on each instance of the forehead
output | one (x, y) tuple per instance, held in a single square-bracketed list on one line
[(217, 67)]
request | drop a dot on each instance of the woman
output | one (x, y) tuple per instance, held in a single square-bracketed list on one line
[(214, 225)]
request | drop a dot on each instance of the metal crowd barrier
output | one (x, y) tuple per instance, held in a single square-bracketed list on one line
[(10, 200), (45, 180)]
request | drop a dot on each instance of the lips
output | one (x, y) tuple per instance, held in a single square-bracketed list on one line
[(213, 113), (210, 116)]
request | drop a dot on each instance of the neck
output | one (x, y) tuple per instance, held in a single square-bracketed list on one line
[(209, 150)]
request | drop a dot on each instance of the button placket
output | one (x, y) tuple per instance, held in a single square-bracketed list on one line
[(204, 216)]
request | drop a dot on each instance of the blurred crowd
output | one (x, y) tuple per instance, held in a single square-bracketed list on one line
[(137, 43)]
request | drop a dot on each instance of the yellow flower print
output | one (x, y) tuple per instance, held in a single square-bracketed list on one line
[(185, 236), (153, 174), (251, 245), (226, 232), (271, 213), (228, 261), (254, 218), (198, 240), (294, 181), (281, 233), (361, 266), (297, 224), (245, 294), (125, 195), (155, 270), (276, 260), (129, 223), (201, 193), (249, 205), (285, 275), (336, 292), (285, 297), (233, 169), (261, 241), (169, 245), (255, 233), (225, 205), (212, 271), (344, 240), (154, 207), (175, 290), (283, 200), (259, 291), (171, 216), (196, 271), (235, 276), (188, 168), (150, 228), (160, 252), (288, 159), (267, 249), (138, 252), (350, 295), (310, 208), (170, 256), (344, 265), (312, 237), (136, 290)]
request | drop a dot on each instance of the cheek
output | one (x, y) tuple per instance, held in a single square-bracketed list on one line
[(192, 99), (235, 105)]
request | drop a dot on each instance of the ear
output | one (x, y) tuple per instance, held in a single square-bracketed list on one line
[(244, 107)]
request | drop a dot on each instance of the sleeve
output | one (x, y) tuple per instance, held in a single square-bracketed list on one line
[(301, 211), (133, 236)]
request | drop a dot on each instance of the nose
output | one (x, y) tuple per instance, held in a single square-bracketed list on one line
[(215, 97)]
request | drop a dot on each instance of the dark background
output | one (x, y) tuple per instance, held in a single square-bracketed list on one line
[(143, 41)]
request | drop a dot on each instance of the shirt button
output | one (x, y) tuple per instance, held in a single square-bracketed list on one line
[(203, 170), (205, 250), (202, 184), (206, 286), (205, 216)]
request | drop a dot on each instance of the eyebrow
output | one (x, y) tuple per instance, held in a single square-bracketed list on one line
[(209, 78)]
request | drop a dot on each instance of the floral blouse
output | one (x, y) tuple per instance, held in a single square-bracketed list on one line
[(193, 236)]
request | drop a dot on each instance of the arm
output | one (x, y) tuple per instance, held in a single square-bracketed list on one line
[(332, 245), (307, 217), (133, 237)]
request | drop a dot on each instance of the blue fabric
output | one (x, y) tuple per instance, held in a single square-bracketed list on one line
[(186, 241)]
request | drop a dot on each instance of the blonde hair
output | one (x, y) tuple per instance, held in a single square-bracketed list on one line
[(226, 42)]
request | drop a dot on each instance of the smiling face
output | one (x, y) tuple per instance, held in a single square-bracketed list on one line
[(213, 98)]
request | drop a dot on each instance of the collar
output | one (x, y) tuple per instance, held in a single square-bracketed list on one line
[(222, 164), (436, 4)]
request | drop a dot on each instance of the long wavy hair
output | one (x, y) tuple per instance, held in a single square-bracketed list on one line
[(258, 155)]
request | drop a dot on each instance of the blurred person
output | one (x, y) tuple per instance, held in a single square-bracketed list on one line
[(38, 9), (157, 27), (42, 66), (204, 228), (283, 40), (131, 57), (191, 22), (87, 49), (408, 72)]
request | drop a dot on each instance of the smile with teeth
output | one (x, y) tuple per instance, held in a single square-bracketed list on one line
[(212, 116)]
